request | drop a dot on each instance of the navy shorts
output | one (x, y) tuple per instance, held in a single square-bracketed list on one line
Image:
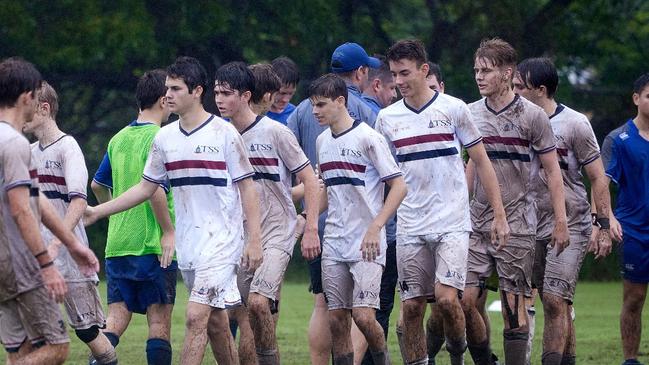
[(635, 259), (139, 282)]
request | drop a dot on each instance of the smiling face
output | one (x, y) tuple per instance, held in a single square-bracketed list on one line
[(491, 79), (230, 102), (408, 77)]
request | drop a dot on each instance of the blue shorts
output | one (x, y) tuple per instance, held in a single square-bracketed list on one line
[(139, 281), (635, 259)]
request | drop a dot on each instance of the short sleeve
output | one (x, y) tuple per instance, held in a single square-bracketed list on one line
[(585, 144), (379, 153), (15, 160), (74, 167), (289, 150), (236, 157), (614, 167), (104, 174), (378, 127), (292, 124), (607, 149), (154, 169), (465, 130), (542, 137)]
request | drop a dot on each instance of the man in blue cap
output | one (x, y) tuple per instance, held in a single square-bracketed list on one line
[(352, 63)]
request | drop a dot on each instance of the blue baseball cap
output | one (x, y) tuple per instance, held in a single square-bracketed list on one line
[(350, 56)]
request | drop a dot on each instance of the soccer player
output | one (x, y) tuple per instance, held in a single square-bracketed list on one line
[(204, 159), (555, 276), (517, 134), (62, 177), (428, 129), (626, 150), (275, 155), (31, 327), (289, 76), (267, 85), (434, 78), (355, 162), (140, 271), (351, 63)]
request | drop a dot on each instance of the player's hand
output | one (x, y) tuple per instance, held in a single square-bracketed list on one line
[(371, 245), (604, 244), (560, 236), (252, 255), (90, 216), (593, 245), (310, 244), (53, 248), (167, 242), (499, 231), (84, 257), (616, 228), (54, 283)]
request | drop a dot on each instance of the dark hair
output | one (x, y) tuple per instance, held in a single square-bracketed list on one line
[(497, 51), (17, 76), (266, 81), (329, 86), (382, 73), (237, 76), (434, 69), (190, 71), (150, 88), (410, 49), (287, 70), (47, 94), (535, 72), (641, 83)]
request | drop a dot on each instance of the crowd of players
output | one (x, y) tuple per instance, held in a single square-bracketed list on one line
[(386, 196)]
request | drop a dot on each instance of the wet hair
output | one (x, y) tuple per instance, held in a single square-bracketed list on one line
[(190, 71), (497, 51), (410, 49), (382, 73), (535, 72), (328, 86), (287, 70), (17, 76), (434, 69), (47, 94), (150, 88), (266, 81), (641, 83), (237, 76)]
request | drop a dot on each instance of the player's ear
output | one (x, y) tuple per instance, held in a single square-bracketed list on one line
[(636, 99), (268, 97), (247, 95), (198, 91), (424, 68), (376, 84)]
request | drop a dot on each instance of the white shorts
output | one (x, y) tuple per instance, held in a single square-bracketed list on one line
[(348, 285), (268, 277), (214, 286), (423, 261)]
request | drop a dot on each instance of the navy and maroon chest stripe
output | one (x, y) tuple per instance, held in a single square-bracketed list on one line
[(502, 154), (256, 162), (343, 180), (430, 153), (196, 180)]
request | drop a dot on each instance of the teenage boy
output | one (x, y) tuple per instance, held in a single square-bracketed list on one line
[(289, 76), (355, 163), (428, 130), (275, 155), (204, 160)]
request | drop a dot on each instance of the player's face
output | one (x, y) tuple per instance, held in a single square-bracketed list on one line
[(490, 78), (641, 100), (283, 97), (35, 114), (386, 93), (228, 101), (408, 76), (434, 84), (522, 89), (178, 97), (326, 110)]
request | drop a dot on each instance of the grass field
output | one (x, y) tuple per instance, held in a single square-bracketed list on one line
[(597, 306)]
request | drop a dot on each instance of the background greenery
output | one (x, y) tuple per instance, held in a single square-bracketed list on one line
[(92, 51)]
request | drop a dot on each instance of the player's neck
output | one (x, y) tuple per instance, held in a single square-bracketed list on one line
[(549, 106), (48, 133), (419, 99), (497, 101), (150, 116), (193, 117), (642, 123), (13, 116), (343, 123), (243, 119)]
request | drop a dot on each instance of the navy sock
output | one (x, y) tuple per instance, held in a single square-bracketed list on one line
[(113, 338), (158, 351)]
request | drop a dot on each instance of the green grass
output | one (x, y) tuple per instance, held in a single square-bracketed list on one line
[(597, 306)]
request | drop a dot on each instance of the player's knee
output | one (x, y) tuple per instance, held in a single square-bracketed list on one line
[(87, 335), (553, 306), (196, 321), (259, 306), (363, 318), (412, 310)]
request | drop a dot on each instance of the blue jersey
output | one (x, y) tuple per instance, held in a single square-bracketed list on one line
[(283, 116), (628, 167)]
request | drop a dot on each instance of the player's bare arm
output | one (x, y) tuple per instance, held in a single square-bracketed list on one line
[(469, 171), (252, 253), (485, 171), (75, 211), (102, 193), (161, 212), (22, 214), (310, 241), (132, 197), (371, 245), (560, 236), (601, 245)]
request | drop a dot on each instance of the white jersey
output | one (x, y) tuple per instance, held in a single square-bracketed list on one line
[(274, 154), (202, 166), (354, 165), (428, 144), (63, 176)]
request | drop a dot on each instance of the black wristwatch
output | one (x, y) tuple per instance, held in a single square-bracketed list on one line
[(601, 223)]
